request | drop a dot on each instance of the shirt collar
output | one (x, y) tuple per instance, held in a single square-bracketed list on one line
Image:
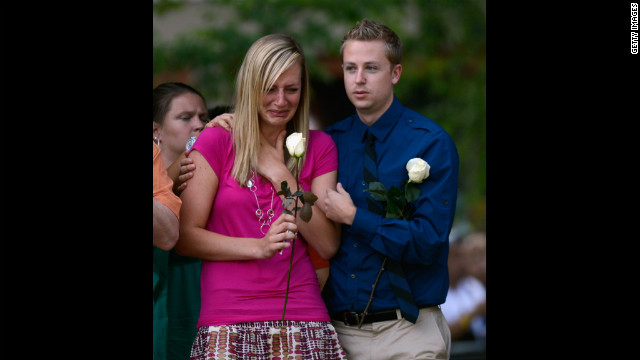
[(382, 127)]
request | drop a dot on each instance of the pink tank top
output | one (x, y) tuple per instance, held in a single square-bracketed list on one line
[(246, 291)]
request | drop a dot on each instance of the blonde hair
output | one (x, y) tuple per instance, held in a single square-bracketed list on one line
[(369, 30), (265, 61)]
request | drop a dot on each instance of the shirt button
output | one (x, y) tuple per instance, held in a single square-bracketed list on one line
[(353, 276), (355, 245), (364, 183)]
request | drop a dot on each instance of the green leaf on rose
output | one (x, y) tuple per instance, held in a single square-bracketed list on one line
[(377, 190), (395, 197), (285, 189), (393, 211), (412, 192), (287, 202), (309, 197), (306, 212)]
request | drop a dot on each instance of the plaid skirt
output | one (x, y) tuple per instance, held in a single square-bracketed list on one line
[(268, 340)]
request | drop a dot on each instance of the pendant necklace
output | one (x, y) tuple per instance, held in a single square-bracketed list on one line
[(251, 184)]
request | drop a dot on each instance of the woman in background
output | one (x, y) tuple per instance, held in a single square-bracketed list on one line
[(179, 113)]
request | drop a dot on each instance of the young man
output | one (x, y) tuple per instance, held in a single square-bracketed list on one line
[(407, 323)]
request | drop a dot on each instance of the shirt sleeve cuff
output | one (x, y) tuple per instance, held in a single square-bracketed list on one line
[(365, 223)]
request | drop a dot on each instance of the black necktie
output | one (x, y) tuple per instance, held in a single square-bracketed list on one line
[(399, 283), (371, 171)]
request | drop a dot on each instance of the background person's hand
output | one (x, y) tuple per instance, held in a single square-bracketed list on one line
[(186, 172), (224, 121)]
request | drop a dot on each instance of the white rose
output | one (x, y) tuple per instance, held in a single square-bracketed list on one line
[(295, 144), (418, 170)]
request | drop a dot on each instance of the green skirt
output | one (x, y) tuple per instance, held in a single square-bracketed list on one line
[(160, 318), (183, 304)]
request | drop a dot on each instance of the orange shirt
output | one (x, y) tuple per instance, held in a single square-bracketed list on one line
[(162, 184), (316, 260)]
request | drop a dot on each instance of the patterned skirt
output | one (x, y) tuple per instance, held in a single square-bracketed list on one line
[(268, 340)]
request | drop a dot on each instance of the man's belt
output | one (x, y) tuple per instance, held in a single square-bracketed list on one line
[(354, 317)]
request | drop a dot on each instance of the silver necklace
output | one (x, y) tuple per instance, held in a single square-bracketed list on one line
[(259, 213)]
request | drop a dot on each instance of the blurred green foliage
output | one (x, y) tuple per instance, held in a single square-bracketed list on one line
[(444, 63)]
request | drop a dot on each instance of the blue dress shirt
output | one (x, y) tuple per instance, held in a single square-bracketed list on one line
[(421, 244)]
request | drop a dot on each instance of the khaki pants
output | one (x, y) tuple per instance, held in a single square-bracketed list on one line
[(428, 338)]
